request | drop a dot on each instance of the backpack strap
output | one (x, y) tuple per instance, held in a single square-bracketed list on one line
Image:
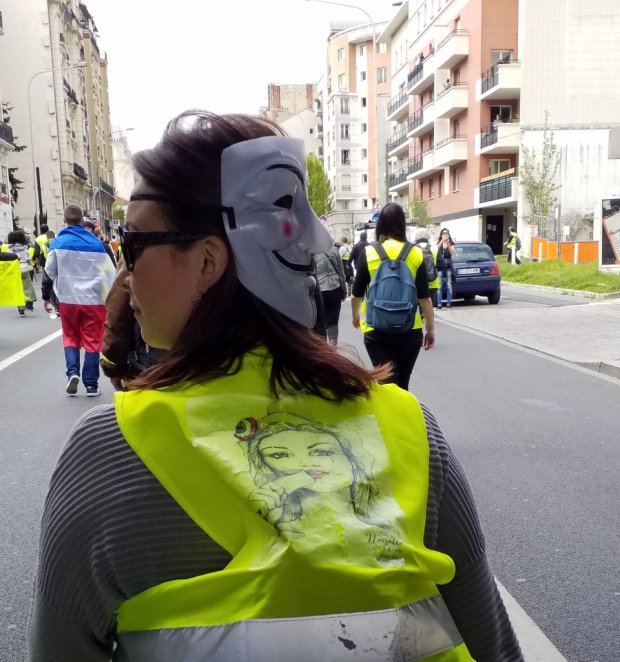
[(406, 249), (380, 251), (404, 253)]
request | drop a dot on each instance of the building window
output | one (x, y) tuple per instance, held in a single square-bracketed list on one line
[(363, 102), (381, 75), (345, 157), (456, 180), (498, 165), (364, 178), (311, 131), (364, 153), (381, 47), (362, 49), (500, 56), (344, 131), (344, 105), (364, 127), (340, 54), (365, 203), (329, 162), (345, 204), (342, 80), (362, 75)]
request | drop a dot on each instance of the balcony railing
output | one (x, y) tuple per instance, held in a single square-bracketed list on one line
[(106, 187), (489, 135), (397, 178), (80, 172), (6, 133), (415, 74), (490, 77), (496, 189), (397, 102), (451, 35), (396, 141), (415, 164), (415, 119), (456, 136)]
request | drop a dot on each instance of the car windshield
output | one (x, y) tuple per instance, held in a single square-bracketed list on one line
[(473, 253)]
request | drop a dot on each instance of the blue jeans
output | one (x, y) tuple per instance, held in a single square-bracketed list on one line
[(90, 373), (446, 282)]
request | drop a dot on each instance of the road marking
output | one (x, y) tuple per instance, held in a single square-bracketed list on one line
[(536, 647), (28, 350)]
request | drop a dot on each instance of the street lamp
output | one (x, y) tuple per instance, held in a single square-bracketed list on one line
[(374, 71), (34, 169)]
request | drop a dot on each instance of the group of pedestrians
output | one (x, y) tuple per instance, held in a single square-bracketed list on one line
[(254, 494)]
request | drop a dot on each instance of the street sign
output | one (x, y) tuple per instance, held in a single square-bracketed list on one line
[(375, 216)]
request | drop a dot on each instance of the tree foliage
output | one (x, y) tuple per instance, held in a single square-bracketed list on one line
[(537, 177), (419, 211), (15, 183), (118, 212), (320, 192)]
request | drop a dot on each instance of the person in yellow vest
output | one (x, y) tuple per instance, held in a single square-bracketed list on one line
[(18, 244), (254, 495), (385, 345), (42, 240), (11, 290), (423, 242)]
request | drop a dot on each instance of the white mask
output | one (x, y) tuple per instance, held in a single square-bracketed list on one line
[(272, 229)]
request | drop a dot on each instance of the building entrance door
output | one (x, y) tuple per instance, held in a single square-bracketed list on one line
[(495, 233)]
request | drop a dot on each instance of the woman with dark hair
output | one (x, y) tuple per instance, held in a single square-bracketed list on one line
[(446, 250), (253, 494), (399, 349)]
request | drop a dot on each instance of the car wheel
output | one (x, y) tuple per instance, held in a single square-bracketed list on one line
[(469, 297), (495, 296)]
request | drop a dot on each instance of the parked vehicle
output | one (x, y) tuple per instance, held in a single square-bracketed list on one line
[(475, 272)]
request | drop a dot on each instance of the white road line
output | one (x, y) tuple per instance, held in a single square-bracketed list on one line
[(28, 350), (535, 645)]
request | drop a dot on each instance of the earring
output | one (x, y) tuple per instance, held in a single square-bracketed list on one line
[(197, 301)]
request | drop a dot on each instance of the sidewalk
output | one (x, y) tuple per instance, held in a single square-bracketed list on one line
[(587, 335)]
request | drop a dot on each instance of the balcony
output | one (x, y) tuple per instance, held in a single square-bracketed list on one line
[(6, 136), (80, 172), (398, 180), (504, 138), (451, 151), (453, 48), (498, 190), (398, 144), (422, 75), (452, 100), (398, 107), (70, 92), (424, 165), (422, 120), (106, 187), (501, 81)]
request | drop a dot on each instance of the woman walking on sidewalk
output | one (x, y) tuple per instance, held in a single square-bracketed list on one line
[(447, 250)]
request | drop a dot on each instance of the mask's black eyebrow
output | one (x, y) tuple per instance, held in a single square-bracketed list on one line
[(293, 169)]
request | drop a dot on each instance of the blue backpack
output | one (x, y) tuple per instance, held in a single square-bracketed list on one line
[(392, 298)]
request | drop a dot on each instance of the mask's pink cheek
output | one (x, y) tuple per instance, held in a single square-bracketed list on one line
[(287, 228)]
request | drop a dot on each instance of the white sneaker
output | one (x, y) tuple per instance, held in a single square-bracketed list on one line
[(72, 385)]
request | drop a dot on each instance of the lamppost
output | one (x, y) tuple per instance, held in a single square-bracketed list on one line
[(374, 72), (36, 188)]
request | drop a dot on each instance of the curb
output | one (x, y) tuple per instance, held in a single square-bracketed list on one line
[(601, 367), (562, 290)]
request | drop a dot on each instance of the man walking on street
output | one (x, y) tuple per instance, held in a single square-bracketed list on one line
[(82, 274)]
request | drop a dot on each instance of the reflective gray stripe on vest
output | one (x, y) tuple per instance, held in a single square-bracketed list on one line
[(410, 633)]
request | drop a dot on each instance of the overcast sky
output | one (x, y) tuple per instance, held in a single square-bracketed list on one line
[(217, 55)]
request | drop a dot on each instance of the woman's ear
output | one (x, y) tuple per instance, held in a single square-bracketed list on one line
[(215, 261)]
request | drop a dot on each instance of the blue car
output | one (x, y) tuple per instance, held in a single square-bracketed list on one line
[(475, 272)]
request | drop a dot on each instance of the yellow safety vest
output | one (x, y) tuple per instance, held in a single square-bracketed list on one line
[(43, 244), (11, 289), (393, 249), (322, 507)]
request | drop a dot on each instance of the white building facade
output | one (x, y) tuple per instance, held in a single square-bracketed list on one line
[(6, 149)]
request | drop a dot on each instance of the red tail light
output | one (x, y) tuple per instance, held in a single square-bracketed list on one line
[(495, 269)]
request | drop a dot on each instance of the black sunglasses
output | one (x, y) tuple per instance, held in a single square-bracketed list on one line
[(132, 241)]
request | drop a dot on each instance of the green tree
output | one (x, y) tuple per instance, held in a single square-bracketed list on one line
[(537, 177), (419, 211), (118, 213), (320, 192), (15, 183)]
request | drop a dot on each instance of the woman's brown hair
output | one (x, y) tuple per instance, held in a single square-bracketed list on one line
[(229, 321)]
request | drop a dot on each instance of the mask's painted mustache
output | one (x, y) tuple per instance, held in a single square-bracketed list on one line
[(306, 268)]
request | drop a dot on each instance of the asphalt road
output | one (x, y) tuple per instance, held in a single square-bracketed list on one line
[(538, 441)]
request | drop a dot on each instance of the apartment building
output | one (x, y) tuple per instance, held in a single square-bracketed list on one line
[(124, 173), (353, 102), (51, 72), (6, 148), (284, 101), (484, 79)]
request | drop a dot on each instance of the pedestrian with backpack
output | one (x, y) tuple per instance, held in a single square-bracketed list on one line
[(433, 262), (389, 285)]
